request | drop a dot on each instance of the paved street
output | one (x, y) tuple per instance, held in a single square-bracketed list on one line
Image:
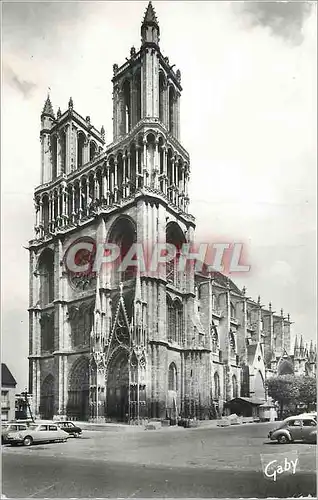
[(175, 462)]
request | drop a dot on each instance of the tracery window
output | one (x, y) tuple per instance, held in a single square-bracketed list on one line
[(216, 386), (81, 319), (215, 339), (234, 387), (175, 237), (232, 343), (47, 332), (172, 378), (45, 271), (233, 311)]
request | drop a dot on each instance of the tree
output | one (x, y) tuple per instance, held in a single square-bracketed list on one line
[(307, 391), (284, 389)]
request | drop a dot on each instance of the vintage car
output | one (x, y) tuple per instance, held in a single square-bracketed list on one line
[(41, 432), (11, 427), (299, 428), (70, 428)]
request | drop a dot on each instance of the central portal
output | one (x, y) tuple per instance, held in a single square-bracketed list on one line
[(118, 387)]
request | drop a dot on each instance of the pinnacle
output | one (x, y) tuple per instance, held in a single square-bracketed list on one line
[(150, 15), (48, 108)]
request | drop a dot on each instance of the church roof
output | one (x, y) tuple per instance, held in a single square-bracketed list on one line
[(219, 279), (7, 379)]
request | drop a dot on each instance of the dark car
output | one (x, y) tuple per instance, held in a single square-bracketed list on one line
[(70, 428), (298, 428)]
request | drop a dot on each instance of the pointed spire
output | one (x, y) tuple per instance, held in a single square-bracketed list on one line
[(296, 346), (70, 104), (102, 132), (301, 346), (259, 300), (150, 15), (311, 348), (59, 113), (97, 297), (48, 108), (138, 301), (138, 288), (150, 21)]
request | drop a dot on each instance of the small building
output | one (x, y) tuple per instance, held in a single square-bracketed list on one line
[(8, 385), (244, 407)]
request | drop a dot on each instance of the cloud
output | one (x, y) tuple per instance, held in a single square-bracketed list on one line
[(25, 87), (284, 19)]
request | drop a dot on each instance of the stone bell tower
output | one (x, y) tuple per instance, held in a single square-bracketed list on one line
[(150, 175)]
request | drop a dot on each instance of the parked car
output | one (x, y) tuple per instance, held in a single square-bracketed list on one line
[(70, 428), (299, 428), (11, 427), (36, 433)]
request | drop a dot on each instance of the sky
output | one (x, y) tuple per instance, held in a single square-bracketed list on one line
[(248, 121)]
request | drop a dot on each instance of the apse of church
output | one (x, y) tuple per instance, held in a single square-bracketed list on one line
[(125, 344)]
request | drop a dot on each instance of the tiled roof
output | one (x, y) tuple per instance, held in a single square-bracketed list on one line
[(7, 379), (219, 278)]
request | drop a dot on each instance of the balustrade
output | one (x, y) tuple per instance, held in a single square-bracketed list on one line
[(70, 202)]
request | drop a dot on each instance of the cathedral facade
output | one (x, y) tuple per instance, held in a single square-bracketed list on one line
[(128, 345)]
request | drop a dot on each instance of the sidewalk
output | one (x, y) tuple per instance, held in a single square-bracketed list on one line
[(122, 427)]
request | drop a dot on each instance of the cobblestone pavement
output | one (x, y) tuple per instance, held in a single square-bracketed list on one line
[(173, 462)]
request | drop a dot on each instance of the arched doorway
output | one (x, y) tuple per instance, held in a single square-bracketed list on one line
[(47, 398), (78, 390), (118, 387)]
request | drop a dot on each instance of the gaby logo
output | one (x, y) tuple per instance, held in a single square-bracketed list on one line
[(276, 465)]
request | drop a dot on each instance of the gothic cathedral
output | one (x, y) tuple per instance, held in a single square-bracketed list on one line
[(123, 345)]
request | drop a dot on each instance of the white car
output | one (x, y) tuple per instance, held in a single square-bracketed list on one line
[(310, 415), (37, 433)]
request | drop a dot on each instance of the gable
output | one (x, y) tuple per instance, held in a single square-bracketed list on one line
[(7, 379)]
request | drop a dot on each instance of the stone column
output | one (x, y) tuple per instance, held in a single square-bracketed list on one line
[(115, 181), (145, 165), (41, 217), (73, 202), (124, 158), (87, 196), (37, 208), (96, 187), (104, 184), (108, 181), (138, 167), (129, 180), (80, 200)]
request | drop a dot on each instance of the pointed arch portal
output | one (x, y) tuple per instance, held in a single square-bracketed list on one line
[(78, 392), (47, 398), (118, 386)]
